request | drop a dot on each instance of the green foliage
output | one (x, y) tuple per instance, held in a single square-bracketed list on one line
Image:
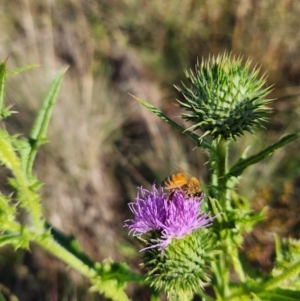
[(38, 135), (27, 197), (112, 280), (21, 166), (287, 259), (4, 112), (200, 142), (18, 154), (225, 100), (237, 169), (110, 289), (280, 294), (8, 211)]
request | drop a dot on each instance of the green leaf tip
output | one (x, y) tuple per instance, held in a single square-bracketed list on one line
[(5, 61), (40, 125), (200, 142), (38, 134), (243, 163), (3, 110), (22, 69)]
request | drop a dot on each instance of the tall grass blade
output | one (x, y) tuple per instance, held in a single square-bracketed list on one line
[(22, 69), (3, 110)]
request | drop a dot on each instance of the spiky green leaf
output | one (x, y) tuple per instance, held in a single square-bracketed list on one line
[(17, 240), (71, 244), (4, 112), (287, 258), (28, 198), (38, 135), (8, 157), (243, 163), (110, 289), (2, 85), (112, 279), (280, 295), (200, 142), (8, 213)]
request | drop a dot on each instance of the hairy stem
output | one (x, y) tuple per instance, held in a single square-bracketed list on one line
[(60, 252), (219, 183), (221, 169)]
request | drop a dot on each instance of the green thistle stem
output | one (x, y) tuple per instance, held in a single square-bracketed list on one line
[(220, 169), (237, 264), (219, 182), (31, 198), (221, 273), (93, 271), (217, 281), (60, 252)]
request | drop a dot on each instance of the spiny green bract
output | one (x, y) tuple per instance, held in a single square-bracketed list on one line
[(8, 211), (183, 267), (225, 98)]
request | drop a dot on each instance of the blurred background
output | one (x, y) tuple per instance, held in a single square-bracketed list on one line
[(103, 144)]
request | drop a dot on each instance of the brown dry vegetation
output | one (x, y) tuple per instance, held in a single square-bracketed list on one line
[(103, 143)]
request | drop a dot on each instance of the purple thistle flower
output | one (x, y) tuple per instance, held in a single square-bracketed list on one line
[(174, 218)]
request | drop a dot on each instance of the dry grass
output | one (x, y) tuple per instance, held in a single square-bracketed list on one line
[(102, 143)]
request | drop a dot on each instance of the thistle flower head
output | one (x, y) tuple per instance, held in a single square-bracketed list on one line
[(172, 219), (178, 245), (183, 268), (224, 98)]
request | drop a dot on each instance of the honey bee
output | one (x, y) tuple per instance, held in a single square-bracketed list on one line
[(182, 181)]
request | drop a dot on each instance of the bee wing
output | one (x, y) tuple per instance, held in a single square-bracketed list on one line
[(182, 171)]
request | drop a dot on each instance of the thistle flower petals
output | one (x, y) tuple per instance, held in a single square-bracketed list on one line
[(148, 211), (171, 219)]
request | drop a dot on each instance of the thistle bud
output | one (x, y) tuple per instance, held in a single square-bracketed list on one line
[(182, 270), (224, 98)]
